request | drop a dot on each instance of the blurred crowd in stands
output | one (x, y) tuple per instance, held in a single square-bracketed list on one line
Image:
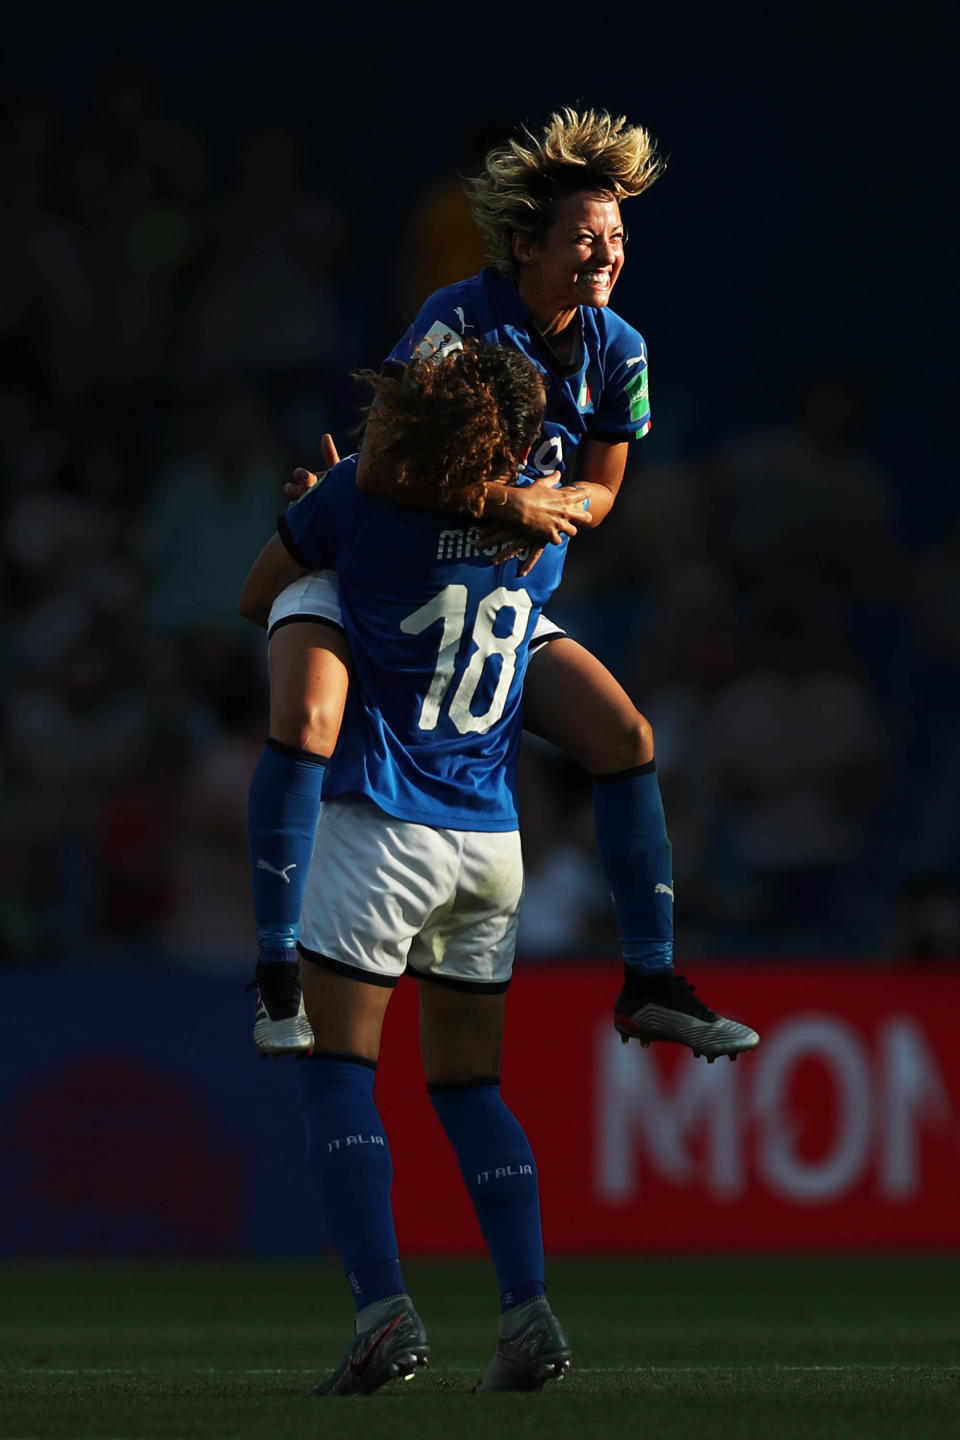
[(171, 346)]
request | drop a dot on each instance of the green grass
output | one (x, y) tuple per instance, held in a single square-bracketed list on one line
[(690, 1349)]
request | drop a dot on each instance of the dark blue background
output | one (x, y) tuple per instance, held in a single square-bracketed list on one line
[(803, 221), (803, 228)]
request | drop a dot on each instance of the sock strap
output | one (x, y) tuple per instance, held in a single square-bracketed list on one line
[(447, 1089), (310, 756), (646, 769), (343, 1055)]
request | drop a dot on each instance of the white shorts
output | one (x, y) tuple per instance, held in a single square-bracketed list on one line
[(317, 597), (313, 597), (386, 894)]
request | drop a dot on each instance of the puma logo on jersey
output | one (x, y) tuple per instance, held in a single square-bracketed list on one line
[(265, 865), (464, 324), (661, 889)]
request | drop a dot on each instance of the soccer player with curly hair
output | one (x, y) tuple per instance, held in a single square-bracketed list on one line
[(418, 827)]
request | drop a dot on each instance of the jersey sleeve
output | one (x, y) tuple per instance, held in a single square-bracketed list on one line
[(437, 329), (308, 528), (623, 412)]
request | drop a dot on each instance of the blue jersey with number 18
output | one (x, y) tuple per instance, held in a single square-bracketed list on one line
[(439, 637)]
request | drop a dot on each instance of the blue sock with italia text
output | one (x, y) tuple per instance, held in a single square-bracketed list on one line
[(637, 859), (349, 1159), (282, 810), (498, 1168)]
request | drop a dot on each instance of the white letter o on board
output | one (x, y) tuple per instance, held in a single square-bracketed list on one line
[(784, 1168)]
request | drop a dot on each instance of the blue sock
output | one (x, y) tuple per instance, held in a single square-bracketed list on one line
[(498, 1168), (349, 1160), (282, 811), (636, 856)]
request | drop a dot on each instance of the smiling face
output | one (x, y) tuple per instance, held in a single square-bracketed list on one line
[(577, 261)]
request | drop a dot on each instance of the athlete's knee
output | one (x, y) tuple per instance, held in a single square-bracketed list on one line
[(626, 741), (305, 722)]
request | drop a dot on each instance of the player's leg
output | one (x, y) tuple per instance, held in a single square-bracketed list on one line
[(573, 701), (461, 1038), (309, 673), (463, 986), (379, 880), (349, 1159), (347, 1147)]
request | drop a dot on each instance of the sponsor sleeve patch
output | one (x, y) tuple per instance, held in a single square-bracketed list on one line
[(440, 340), (638, 393)]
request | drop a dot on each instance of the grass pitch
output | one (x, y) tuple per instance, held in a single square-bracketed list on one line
[(663, 1350)]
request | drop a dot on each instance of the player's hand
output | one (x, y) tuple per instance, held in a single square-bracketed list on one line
[(304, 480), (512, 545), (540, 514), (519, 548), (544, 511), (527, 565)]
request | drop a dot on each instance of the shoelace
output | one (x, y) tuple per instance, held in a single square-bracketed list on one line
[(689, 993), (678, 989)]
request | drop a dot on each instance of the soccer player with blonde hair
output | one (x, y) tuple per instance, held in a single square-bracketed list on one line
[(517, 190)]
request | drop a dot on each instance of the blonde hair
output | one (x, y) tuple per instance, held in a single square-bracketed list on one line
[(521, 181)]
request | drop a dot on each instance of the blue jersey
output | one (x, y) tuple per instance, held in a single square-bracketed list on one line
[(602, 392), (439, 637)]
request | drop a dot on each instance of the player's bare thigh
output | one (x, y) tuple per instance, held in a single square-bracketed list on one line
[(461, 1034), (572, 700), (309, 674), (346, 1015)]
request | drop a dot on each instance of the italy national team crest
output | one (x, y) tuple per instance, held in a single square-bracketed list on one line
[(585, 397)]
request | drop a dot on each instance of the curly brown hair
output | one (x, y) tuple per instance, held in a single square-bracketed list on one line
[(521, 182), (446, 425)]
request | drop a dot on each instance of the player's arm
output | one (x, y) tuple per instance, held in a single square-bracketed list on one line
[(599, 472), (542, 513), (272, 571), (622, 416)]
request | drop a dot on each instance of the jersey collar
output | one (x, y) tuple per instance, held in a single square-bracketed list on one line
[(511, 306), (515, 312)]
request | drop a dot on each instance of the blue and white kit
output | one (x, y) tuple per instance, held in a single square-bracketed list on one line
[(439, 637), (429, 874)]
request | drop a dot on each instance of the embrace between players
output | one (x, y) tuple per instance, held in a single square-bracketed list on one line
[(403, 598)]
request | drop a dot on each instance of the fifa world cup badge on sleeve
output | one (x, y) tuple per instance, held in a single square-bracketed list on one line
[(439, 341)]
